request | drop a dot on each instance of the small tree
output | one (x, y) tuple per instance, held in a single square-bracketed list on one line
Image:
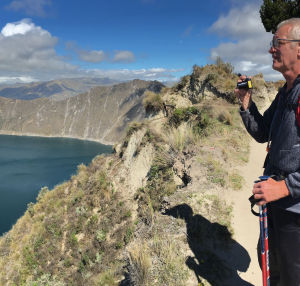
[(272, 12)]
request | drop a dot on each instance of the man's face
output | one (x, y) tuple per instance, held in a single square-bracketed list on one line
[(285, 55)]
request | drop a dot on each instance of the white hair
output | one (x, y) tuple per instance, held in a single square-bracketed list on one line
[(294, 33)]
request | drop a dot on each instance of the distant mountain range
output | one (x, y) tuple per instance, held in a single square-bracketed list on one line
[(100, 114), (56, 89)]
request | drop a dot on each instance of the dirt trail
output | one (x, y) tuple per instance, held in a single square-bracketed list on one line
[(245, 224)]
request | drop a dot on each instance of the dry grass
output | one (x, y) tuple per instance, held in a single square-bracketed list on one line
[(158, 261), (140, 263), (170, 266), (181, 137)]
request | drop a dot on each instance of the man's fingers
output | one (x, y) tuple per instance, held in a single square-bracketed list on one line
[(257, 189), (258, 197)]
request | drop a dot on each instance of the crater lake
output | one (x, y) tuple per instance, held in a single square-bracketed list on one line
[(29, 163)]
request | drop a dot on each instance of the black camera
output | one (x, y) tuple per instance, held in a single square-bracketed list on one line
[(246, 84)]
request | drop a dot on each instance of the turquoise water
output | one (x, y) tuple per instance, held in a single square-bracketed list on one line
[(29, 163)]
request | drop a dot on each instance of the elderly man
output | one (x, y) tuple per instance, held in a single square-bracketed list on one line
[(280, 127)]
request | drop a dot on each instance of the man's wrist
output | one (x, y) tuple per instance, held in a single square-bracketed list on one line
[(284, 188), (246, 106)]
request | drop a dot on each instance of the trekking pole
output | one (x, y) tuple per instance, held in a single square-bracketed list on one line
[(264, 241), (264, 244), (262, 247)]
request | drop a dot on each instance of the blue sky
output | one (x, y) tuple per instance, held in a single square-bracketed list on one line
[(127, 39)]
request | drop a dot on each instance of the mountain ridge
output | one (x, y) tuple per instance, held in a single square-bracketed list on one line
[(101, 114), (56, 89)]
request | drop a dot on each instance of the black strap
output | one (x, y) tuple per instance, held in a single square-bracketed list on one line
[(253, 201)]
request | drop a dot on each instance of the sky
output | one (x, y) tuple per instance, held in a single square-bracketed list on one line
[(42, 40)]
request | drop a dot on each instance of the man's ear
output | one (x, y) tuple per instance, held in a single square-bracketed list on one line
[(298, 51)]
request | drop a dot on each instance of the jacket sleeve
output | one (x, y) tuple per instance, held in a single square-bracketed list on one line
[(293, 184), (258, 125)]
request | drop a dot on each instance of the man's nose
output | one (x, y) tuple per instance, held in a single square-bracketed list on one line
[(272, 50)]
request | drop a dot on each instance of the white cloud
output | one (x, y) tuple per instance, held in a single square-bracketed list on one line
[(123, 56), (247, 44), (27, 53), (92, 56), (239, 23), (161, 74), (17, 79), (26, 49), (97, 56), (22, 28), (30, 7)]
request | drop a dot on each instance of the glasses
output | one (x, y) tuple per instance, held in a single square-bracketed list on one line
[(275, 42)]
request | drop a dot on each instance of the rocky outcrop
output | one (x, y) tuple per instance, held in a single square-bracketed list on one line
[(102, 114)]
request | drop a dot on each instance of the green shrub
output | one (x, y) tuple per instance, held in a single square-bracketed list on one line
[(183, 115), (101, 235), (236, 181), (73, 239), (30, 259), (46, 280), (128, 234), (153, 102), (160, 184), (200, 119), (30, 208)]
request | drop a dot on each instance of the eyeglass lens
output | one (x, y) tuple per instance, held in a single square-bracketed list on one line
[(274, 43)]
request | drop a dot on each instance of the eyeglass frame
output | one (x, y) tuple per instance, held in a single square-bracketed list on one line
[(275, 42)]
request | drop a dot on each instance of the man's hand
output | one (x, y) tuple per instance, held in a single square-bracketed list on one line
[(269, 191), (243, 95)]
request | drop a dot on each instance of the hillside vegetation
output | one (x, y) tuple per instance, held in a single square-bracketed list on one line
[(101, 114), (154, 212)]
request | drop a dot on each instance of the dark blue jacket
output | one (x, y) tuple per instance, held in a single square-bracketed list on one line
[(279, 125)]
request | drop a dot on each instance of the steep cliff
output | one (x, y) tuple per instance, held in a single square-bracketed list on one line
[(101, 114), (154, 213)]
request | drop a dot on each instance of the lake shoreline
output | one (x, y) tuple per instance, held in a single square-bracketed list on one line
[(13, 133)]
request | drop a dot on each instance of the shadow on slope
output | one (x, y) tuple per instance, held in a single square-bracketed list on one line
[(217, 257)]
